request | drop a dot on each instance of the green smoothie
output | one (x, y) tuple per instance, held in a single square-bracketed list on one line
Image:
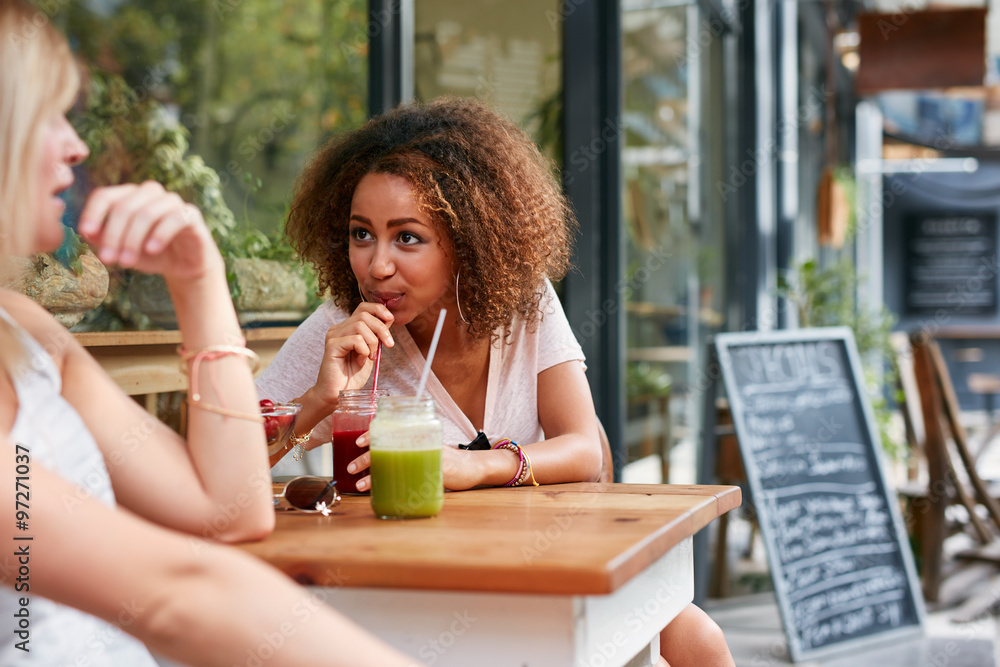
[(406, 483)]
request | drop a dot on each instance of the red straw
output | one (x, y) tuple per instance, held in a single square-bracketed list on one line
[(378, 358)]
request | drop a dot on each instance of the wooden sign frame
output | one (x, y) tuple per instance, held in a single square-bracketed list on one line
[(912, 626)]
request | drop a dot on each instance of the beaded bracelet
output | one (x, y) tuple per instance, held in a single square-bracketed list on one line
[(523, 469), (211, 353), (513, 447)]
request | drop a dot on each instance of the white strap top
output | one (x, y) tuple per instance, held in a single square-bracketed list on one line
[(56, 438)]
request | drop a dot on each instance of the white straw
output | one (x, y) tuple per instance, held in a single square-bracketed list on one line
[(430, 352)]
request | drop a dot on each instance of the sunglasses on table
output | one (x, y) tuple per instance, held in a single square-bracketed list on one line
[(307, 494)]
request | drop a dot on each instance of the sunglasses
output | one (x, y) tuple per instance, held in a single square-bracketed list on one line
[(307, 494)]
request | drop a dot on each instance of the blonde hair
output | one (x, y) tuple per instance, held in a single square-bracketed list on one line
[(39, 78)]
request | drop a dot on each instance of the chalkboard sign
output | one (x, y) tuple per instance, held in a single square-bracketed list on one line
[(951, 263), (842, 570)]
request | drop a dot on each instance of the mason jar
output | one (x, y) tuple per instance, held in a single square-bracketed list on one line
[(406, 439), (355, 411)]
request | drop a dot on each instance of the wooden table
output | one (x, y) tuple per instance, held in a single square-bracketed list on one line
[(572, 574)]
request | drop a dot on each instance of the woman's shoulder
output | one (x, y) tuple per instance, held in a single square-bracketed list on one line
[(31, 317)]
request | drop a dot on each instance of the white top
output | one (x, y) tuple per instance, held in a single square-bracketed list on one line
[(511, 390), (58, 440)]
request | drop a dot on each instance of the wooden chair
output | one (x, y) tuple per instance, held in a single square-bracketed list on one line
[(608, 460), (942, 430)]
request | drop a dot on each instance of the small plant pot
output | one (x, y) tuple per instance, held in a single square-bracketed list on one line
[(60, 290)]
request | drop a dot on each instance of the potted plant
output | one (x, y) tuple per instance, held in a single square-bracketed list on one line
[(132, 140), (826, 297), (68, 283)]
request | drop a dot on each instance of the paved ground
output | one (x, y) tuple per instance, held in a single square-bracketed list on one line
[(752, 623), (753, 629)]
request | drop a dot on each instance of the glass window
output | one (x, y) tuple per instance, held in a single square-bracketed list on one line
[(246, 89), (674, 260), (506, 53)]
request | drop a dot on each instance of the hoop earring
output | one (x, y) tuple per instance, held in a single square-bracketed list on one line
[(457, 302)]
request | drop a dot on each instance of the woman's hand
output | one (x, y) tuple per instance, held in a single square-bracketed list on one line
[(462, 469), (350, 349), (147, 228)]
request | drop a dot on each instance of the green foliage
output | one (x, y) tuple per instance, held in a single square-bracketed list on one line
[(258, 85), (827, 297), (70, 250), (133, 139), (645, 379)]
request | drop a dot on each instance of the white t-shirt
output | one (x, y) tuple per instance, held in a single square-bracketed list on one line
[(511, 390)]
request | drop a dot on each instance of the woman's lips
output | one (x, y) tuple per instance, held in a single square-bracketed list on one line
[(388, 299)]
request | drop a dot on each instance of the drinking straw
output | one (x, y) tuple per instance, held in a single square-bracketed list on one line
[(430, 352), (378, 358)]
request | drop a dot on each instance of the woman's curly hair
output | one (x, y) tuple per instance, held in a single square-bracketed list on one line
[(475, 174)]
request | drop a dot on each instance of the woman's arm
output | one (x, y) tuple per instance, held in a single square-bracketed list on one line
[(201, 604), (348, 360), (571, 451), (214, 484)]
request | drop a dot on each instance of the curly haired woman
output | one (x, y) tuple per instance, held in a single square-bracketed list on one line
[(449, 206)]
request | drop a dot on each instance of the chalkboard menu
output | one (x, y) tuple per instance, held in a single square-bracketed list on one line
[(951, 263), (842, 569)]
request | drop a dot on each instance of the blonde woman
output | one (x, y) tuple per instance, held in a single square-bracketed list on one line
[(100, 494)]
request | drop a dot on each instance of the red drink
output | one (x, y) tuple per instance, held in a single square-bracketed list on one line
[(355, 410), (345, 450)]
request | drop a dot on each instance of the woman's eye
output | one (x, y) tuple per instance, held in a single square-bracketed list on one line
[(360, 234), (407, 238)]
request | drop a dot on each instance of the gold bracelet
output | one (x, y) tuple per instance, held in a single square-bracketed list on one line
[(528, 466), (208, 407), (298, 451)]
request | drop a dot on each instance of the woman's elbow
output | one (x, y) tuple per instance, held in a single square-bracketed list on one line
[(593, 463), (251, 525)]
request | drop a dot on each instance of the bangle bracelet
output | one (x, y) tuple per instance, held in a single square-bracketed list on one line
[(211, 353), (522, 468)]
